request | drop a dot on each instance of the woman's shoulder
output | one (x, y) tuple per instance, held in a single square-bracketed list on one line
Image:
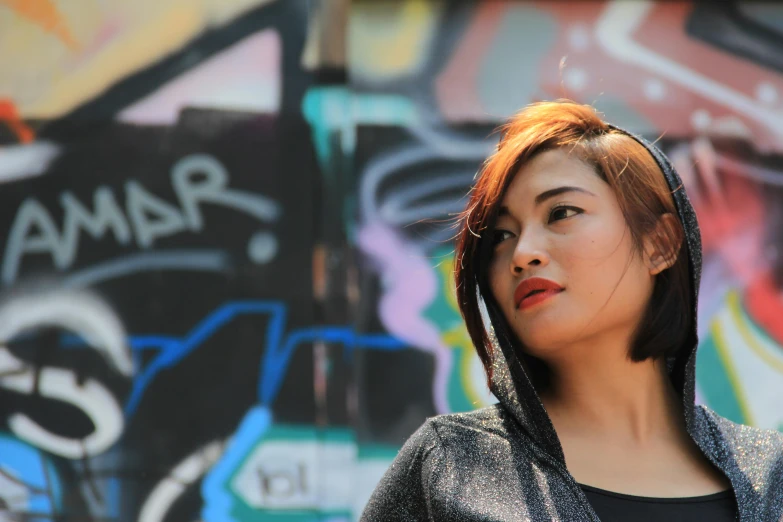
[(490, 422), (766, 441), (457, 448), (756, 451)]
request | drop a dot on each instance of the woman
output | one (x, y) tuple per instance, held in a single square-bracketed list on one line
[(582, 246)]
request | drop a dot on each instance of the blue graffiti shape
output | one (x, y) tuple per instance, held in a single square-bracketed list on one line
[(218, 500), (278, 347), (172, 350), (275, 362), (29, 482)]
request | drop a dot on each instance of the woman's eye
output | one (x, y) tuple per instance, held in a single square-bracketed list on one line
[(559, 213), (500, 235)]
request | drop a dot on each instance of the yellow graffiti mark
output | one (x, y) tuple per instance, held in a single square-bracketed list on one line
[(731, 371), (117, 38), (166, 32), (46, 15), (10, 117), (457, 337), (386, 39), (446, 269)]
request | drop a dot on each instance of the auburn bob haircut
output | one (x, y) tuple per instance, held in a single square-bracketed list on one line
[(643, 195)]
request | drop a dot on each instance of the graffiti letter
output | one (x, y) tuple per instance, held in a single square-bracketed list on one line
[(20, 240), (107, 216), (140, 202), (212, 187), (56, 383)]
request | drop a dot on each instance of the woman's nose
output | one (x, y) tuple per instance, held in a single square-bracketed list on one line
[(528, 253)]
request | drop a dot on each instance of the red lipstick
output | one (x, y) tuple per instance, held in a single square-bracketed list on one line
[(534, 290)]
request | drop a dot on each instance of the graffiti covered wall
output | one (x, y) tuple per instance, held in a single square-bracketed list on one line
[(227, 241)]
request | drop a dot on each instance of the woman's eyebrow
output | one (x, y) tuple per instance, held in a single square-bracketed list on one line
[(547, 194)]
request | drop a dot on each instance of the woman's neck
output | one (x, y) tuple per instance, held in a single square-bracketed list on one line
[(622, 428), (612, 395)]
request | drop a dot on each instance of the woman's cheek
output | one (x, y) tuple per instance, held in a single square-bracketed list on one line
[(587, 250), (496, 279)]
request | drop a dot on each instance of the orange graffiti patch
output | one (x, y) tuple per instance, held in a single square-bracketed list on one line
[(10, 117), (45, 14)]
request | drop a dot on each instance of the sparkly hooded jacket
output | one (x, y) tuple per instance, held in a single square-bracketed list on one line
[(505, 462)]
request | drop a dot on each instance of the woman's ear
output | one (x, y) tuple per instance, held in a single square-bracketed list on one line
[(662, 245)]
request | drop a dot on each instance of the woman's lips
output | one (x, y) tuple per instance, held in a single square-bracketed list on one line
[(534, 290), (538, 297)]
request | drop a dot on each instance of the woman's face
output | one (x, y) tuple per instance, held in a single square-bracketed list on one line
[(561, 222)]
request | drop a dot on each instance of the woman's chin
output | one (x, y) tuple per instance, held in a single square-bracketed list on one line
[(545, 334), (541, 319)]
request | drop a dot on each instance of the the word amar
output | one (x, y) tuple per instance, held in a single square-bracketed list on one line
[(197, 179)]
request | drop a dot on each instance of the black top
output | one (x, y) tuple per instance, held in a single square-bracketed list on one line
[(615, 507)]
